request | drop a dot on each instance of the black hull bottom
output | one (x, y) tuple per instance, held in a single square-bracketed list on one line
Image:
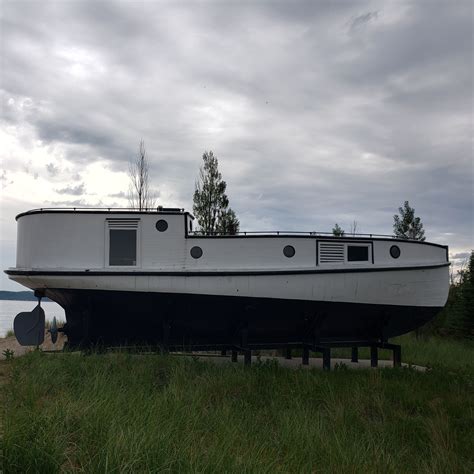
[(184, 321)]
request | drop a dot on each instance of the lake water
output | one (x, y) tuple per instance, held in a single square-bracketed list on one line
[(9, 309)]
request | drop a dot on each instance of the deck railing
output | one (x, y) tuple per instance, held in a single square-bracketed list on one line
[(291, 233), (108, 209)]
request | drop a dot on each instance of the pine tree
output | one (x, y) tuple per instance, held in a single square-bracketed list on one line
[(338, 231), (457, 317), (228, 224), (467, 300), (406, 225), (210, 202)]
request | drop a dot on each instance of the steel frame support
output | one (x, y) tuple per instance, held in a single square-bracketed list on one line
[(374, 356), (326, 358), (397, 356), (247, 357), (321, 347), (305, 357)]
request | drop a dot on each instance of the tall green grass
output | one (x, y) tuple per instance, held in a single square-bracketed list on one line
[(425, 351), (148, 413)]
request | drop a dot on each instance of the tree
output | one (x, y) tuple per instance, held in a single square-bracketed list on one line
[(457, 317), (229, 224), (354, 226), (406, 225), (210, 202), (463, 320), (338, 231), (139, 194)]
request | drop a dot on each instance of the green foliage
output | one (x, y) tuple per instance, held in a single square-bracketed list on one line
[(457, 317), (132, 413), (460, 315), (406, 225), (338, 231), (8, 354), (210, 202)]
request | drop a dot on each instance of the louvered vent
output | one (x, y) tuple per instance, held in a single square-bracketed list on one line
[(123, 223), (331, 252)]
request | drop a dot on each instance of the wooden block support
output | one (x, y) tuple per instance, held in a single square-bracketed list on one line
[(234, 356), (355, 354), (288, 353)]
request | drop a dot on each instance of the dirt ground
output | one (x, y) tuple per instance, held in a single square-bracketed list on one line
[(10, 343)]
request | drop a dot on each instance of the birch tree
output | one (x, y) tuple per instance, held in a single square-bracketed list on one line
[(140, 195)]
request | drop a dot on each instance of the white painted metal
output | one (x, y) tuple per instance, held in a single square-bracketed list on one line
[(424, 287), (79, 241)]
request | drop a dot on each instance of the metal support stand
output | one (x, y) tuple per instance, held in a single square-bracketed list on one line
[(374, 356), (320, 347), (327, 358), (397, 356), (305, 358), (166, 334), (247, 357)]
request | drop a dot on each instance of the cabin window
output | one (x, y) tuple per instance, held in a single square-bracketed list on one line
[(161, 225), (289, 251), (196, 252), (395, 251), (123, 247), (357, 253)]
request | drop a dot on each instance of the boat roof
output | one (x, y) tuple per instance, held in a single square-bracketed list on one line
[(107, 210)]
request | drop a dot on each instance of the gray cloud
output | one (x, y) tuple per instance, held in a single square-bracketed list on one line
[(362, 20), (319, 112), (52, 169), (120, 195), (460, 256), (78, 190), (4, 180)]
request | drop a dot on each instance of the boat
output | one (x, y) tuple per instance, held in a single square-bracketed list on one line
[(128, 277)]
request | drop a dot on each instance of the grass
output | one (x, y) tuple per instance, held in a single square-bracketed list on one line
[(145, 413), (426, 351)]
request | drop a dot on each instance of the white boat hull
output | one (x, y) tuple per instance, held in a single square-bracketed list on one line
[(206, 310)]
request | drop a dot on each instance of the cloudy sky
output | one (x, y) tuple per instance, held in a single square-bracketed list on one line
[(319, 112)]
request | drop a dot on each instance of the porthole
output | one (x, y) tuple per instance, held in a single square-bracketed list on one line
[(161, 225), (395, 251), (289, 251), (196, 252)]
